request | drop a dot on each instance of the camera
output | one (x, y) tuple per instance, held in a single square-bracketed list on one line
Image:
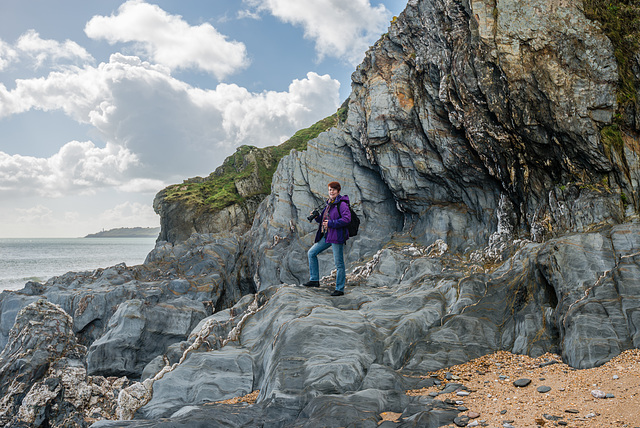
[(313, 215)]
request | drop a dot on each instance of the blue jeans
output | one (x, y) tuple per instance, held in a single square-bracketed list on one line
[(338, 259)]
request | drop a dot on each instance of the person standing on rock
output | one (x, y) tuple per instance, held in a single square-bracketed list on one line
[(332, 232)]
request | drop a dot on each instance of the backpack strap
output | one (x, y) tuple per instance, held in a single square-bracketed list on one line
[(338, 204)]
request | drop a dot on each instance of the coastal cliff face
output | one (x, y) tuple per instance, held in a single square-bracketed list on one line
[(471, 123), (185, 208), (497, 178)]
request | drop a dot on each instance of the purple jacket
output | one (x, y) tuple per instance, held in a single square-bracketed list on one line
[(337, 233)]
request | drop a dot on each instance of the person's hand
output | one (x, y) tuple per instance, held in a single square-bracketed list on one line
[(325, 223)]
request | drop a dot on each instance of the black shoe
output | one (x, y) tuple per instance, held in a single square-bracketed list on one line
[(312, 284), (337, 293)]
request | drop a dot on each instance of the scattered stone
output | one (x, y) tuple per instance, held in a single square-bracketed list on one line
[(590, 415), (616, 377), (462, 393), (574, 411), (473, 415), (609, 395), (502, 412), (521, 383), (461, 421), (598, 394), (551, 417), (473, 424), (463, 409), (562, 423), (542, 389)]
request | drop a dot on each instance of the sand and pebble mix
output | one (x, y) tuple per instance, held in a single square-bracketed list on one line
[(507, 390)]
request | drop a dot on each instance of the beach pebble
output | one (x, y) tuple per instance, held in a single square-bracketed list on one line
[(461, 421), (521, 383), (473, 424), (609, 395), (542, 389), (615, 377), (598, 394), (473, 415), (462, 393)]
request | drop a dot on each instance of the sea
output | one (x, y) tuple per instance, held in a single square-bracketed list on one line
[(39, 259)]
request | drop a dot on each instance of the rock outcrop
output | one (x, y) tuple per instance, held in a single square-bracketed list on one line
[(185, 208), (497, 215), (43, 377)]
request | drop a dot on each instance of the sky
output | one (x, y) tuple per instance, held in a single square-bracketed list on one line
[(105, 103)]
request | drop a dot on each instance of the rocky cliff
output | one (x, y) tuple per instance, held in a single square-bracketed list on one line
[(495, 167), (227, 200)]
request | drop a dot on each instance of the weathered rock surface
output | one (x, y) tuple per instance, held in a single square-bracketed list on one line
[(307, 350), (182, 217), (129, 315), (43, 378), (494, 218)]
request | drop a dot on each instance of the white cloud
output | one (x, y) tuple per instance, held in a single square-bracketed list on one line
[(169, 40), (342, 29), (78, 167), (163, 126), (142, 185), (34, 215), (128, 213), (42, 50), (7, 55)]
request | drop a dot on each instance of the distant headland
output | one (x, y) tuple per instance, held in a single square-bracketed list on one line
[(127, 232)]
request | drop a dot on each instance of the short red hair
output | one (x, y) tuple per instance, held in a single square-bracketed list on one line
[(335, 185)]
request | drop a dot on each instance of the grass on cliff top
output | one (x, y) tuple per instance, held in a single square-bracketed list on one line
[(620, 21), (218, 190)]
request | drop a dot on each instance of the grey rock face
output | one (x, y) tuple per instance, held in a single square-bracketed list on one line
[(200, 379), (43, 379), (307, 347), (138, 332), (129, 315)]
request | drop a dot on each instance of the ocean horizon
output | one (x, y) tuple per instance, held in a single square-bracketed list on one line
[(39, 259)]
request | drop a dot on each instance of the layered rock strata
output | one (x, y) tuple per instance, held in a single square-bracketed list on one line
[(495, 217)]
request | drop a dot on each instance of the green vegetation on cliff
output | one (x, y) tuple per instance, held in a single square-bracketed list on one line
[(245, 174), (620, 21)]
